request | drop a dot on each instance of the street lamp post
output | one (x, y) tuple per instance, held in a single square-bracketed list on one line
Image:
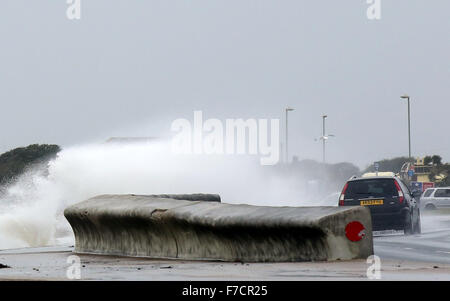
[(287, 137), (409, 122), (324, 137)]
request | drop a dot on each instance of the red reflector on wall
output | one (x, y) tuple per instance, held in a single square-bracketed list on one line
[(355, 231)]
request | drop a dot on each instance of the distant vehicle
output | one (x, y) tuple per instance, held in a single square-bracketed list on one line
[(436, 198), (392, 205), (380, 174)]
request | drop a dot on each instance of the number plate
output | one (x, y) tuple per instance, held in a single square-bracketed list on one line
[(371, 202)]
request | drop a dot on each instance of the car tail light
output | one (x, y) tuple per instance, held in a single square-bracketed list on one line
[(342, 197), (400, 192)]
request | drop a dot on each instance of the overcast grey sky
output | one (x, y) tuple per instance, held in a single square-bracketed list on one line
[(131, 67)]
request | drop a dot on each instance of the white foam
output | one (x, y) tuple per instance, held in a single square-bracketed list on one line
[(31, 209)]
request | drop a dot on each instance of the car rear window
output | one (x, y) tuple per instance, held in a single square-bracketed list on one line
[(442, 193), (371, 188), (428, 193)]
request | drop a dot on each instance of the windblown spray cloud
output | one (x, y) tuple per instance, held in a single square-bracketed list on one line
[(31, 208)]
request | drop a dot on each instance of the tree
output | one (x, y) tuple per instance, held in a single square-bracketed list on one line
[(16, 161), (437, 160), (440, 173), (394, 165), (427, 160)]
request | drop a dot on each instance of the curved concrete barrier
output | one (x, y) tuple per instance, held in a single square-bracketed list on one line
[(189, 197), (151, 226)]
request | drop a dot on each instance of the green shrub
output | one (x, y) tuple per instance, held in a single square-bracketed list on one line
[(14, 162)]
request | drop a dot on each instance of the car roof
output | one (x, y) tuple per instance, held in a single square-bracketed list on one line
[(372, 178), (379, 174)]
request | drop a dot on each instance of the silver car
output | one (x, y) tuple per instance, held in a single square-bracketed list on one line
[(434, 198)]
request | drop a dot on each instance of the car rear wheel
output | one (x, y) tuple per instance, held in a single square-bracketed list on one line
[(408, 227)]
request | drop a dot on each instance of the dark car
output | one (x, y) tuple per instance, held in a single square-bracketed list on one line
[(391, 203)]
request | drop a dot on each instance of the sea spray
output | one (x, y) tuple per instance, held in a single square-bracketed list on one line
[(31, 208)]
